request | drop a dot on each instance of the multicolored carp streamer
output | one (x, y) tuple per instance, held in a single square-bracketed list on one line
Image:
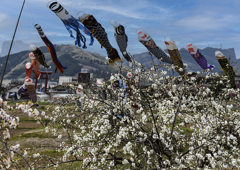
[(39, 56), (34, 65), (226, 67), (175, 55), (100, 34), (121, 39), (198, 57), (70, 23), (51, 49), (148, 42)]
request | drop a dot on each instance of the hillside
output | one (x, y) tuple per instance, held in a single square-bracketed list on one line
[(209, 53), (73, 57), (76, 58)]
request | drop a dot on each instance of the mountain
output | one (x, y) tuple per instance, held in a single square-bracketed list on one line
[(17, 46), (209, 54), (238, 62), (73, 57)]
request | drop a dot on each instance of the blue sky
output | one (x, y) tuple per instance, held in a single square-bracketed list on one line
[(202, 22)]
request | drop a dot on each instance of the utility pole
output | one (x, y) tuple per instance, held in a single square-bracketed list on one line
[(11, 46)]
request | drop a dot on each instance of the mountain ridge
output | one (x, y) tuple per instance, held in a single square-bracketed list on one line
[(75, 58), (208, 53), (17, 47)]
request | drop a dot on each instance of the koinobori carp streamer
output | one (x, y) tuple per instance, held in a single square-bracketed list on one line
[(226, 67), (121, 39), (198, 57), (33, 65), (148, 42), (70, 23), (175, 55), (51, 49), (39, 56), (100, 34)]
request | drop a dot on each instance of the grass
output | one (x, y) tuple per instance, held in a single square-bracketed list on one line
[(37, 135), (42, 107), (53, 153), (44, 103), (186, 130), (30, 135), (25, 119), (26, 128)]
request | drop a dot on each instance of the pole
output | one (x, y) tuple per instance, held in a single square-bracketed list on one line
[(11, 46)]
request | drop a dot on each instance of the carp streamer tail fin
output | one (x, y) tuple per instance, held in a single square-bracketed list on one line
[(127, 57), (113, 57)]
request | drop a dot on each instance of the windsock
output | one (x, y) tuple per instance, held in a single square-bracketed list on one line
[(148, 42), (198, 57), (175, 55), (70, 23), (39, 56), (100, 34), (121, 39), (51, 49), (227, 68)]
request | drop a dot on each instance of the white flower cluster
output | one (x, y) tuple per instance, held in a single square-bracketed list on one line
[(154, 121), (15, 148), (6, 134), (7, 120), (36, 155)]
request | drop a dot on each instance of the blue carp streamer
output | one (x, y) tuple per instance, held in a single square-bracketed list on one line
[(71, 23)]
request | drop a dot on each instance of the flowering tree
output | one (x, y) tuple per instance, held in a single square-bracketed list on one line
[(168, 122)]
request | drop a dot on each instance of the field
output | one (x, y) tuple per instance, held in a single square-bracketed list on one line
[(31, 135)]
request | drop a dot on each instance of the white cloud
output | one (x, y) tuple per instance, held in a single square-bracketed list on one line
[(206, 22), (117, 10), (3, 37), (3, 17), (135, 9), (201, 22), (6, 21), (59, 34)]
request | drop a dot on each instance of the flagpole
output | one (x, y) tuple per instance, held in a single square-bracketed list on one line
[(11, 46)]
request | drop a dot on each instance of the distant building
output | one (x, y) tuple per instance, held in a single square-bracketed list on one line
[(237, 79), (9, 82), (84, 70), (41, 85), (65, 79), (84, 78), (75, 79), (6, 82)]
